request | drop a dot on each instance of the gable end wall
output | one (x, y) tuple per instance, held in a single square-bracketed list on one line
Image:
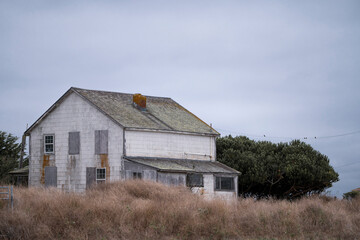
[(74, 114)]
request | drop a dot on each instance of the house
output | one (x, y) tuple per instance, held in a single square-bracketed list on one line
[(90, 137)]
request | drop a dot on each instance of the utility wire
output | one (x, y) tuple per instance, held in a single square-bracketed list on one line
[(349, 164), (292, 138)]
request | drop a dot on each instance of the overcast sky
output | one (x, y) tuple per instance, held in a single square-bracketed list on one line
[(283, 69)]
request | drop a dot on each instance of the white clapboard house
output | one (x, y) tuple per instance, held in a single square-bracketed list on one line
[(90, 137)]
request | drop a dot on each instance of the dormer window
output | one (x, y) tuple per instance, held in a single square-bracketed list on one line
[(49, 144)]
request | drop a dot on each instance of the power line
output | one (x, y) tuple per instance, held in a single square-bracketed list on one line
[(349, 164), (341, 135), (292, 138)]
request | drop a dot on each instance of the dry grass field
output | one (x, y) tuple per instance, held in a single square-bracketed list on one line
[(144, 210)]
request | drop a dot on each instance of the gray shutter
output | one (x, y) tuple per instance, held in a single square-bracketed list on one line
[(104, 142), (90, 176), (50, 176), (150, 175), (101, 141), (74, 142)]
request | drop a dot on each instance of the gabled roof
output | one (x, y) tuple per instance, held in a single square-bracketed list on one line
[(161, 113), (184, 165)]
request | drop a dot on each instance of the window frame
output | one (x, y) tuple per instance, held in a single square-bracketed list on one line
[(137, 175), (100, 180), (53, 143), (232, 189), (188, 176)]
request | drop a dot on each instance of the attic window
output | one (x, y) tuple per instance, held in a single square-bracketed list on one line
[(49, 144)]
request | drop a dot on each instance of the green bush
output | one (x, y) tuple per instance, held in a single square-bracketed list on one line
[(351, 195)]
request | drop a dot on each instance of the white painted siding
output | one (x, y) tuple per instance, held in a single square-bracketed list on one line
[(169, 145), (74, 114)]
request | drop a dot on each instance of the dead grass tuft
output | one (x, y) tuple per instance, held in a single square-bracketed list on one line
[(145, 210)]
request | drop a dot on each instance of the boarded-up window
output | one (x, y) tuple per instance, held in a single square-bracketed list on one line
[(50, 176), (90, 176), (224, 183), (101, 141), (194, 180), (74, 142)]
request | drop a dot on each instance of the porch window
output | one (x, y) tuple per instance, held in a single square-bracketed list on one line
[(224, 184), (194, 180), (137, 175), (100, 175)]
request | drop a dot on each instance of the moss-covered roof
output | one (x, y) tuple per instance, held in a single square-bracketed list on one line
[(160, 114)]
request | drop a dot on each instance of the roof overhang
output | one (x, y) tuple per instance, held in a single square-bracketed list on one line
[(184, 165)]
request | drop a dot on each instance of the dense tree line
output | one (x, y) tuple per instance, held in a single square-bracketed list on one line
[(9, 154), (282, 170)]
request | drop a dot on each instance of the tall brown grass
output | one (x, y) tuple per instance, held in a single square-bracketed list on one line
[(144, 210)]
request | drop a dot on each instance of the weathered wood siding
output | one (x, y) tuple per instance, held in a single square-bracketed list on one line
[(75, 114), (209, 188), (169, 145)]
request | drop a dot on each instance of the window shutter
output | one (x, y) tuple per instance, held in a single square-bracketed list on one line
[(74, 142), (50, 176), (101, 141)]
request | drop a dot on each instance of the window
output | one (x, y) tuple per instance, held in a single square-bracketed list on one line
[(49, 144), (194, 180), (101, 142), (74, 142), (100, 175), (224, 183), (137, 175)]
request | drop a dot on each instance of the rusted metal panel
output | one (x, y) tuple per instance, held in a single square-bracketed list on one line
[(105, 164), (45, 163), (74, 143), (101, 141), (50, 176), (90, 176)]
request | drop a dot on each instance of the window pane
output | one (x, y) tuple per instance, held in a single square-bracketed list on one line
[(49, 139), (195, 180), (224, 183), (49, 148), (217, 182), (100, 173), (137, 175), (227, 183)]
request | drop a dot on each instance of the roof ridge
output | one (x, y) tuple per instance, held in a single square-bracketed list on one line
[(106, 91)]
